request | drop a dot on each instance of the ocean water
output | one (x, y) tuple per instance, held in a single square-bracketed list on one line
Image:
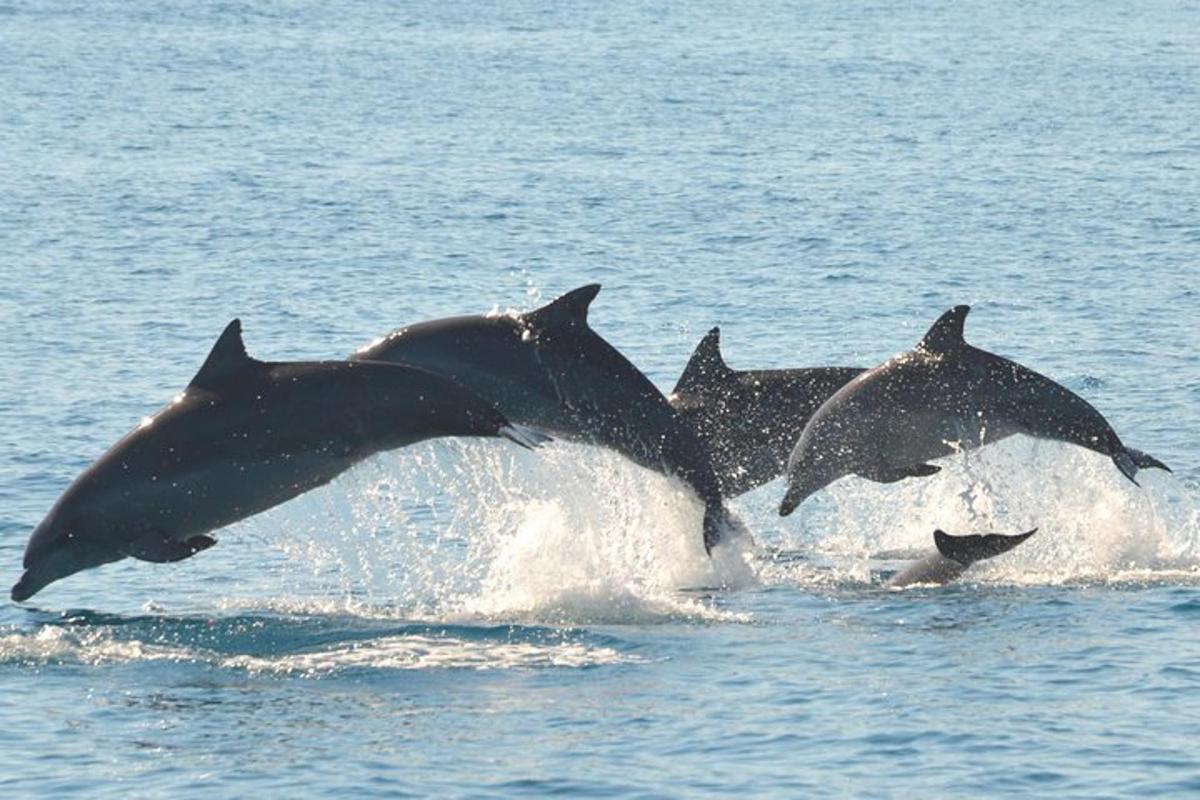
[(462, 618)]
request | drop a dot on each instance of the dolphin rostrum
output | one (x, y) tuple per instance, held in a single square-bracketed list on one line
[(954, 555), (941, 397), (547, 369), (748, 418), (245, 435)]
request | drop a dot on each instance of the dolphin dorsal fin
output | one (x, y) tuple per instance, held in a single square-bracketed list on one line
[(947, 332), (226, 359), (570, 309), (705, 364)]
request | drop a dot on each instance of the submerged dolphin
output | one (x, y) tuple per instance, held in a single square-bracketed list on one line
[(549, 370), (941, 397), (748, 418), (954, 555), (244, 436)]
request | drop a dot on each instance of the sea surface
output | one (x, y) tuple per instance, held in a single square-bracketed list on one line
[(466, 619)]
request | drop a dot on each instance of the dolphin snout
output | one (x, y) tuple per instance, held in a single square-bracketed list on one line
[(24, 589)]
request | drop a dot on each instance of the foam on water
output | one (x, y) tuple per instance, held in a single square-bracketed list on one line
[(568, 535), (103, 644)]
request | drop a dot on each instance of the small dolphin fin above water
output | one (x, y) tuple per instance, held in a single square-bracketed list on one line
[(968, 549), (226, 360), (705, 367), (947, 333), (570, 309)]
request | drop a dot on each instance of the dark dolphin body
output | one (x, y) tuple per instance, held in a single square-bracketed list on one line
[(244, 436), (549, 370), (954, 555), (748, 419), (941, 397)]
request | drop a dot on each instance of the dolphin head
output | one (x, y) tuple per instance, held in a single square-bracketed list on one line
[(808, 473), (60, 546)]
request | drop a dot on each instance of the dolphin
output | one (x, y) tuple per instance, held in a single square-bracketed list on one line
[(747, 418), (936, 399), (548, 370), (954, 555), (245, 435)]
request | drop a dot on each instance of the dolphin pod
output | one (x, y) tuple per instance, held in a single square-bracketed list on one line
[(245, 435), (936, 399)]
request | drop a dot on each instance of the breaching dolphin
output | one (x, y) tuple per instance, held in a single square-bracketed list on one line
[(244, 436), (549, 370), (939, 398), (748, 418), (954, 555)]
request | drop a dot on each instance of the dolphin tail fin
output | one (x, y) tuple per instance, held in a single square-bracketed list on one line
[(718, 522), (526, 437), (966, 550), (790, 500), (1124, 461), (1145, 460)]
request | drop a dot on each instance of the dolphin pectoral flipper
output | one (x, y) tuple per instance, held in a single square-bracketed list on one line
[(888, 474), (161, 550), (966, 550)]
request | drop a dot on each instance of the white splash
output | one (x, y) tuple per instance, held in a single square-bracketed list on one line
[(1094, 525)]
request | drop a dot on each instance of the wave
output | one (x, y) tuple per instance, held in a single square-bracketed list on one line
[(311, 646)]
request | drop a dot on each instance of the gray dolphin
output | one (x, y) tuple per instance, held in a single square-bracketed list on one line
[(244, 436), (748, 418), (941, 397), (549, 370), (954, 555)]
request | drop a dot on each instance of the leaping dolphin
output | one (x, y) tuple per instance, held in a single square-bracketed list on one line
[(245, 435), (954, 555), (549, 370), (941, 397), (748, 418)]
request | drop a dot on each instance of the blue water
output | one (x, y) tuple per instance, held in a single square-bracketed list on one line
[(465, 619)]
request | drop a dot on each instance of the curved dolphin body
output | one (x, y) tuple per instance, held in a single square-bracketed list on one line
[(244, 436), (549, 370), (955, 554), (748, 418), (941, 397)]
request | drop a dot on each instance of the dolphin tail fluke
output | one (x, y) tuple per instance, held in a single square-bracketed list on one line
[(790, 501), (966, 550), (526, 437), (719, 522), (1145, 460), (1124, 461)]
